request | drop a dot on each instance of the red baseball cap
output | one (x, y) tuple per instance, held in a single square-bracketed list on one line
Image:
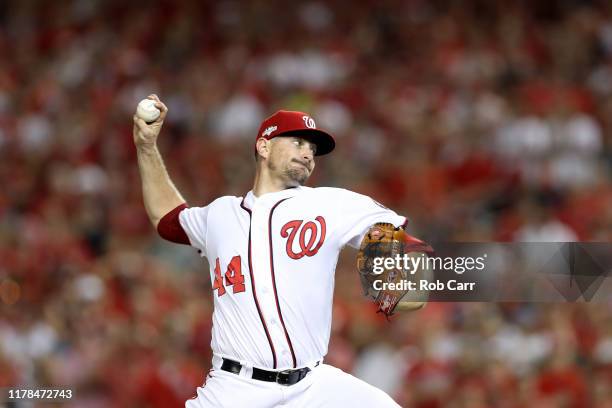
[(293, 123)]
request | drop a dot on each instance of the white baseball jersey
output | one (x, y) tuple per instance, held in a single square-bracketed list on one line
[(272, 261)]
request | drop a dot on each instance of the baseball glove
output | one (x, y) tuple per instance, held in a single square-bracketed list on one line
[(386, 241)]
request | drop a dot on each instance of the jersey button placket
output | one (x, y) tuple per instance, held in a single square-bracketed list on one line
[(261, 266)]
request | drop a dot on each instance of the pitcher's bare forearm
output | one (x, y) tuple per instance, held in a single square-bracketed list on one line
[(159, 193)]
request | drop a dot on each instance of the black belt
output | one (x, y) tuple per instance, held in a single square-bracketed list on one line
[(286, 377)]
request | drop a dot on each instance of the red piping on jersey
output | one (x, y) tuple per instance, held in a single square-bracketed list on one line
[(274, 282), (263, 322)]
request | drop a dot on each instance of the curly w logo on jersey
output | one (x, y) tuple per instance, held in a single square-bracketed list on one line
[(310, 239)]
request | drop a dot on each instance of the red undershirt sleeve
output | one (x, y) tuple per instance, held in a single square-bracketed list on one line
[(169, 227), (413, 244)]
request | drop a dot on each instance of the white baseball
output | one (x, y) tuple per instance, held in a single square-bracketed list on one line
[(147, 110)]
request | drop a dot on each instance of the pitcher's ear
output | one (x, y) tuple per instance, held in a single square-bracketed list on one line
[(263, 147)]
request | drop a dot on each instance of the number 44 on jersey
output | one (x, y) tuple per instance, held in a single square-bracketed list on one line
[(233, 277)]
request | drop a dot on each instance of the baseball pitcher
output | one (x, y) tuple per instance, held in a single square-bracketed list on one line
[(272, 257)]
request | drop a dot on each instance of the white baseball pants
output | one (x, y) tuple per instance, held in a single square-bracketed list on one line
[(324, 386)]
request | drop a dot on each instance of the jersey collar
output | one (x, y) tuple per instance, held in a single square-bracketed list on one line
[(249, 199)]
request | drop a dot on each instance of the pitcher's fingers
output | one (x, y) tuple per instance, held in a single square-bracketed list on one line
[(163, 109)]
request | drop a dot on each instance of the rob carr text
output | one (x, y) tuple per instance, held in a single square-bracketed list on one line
[(424, 284)]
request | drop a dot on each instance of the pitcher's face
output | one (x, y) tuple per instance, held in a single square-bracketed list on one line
[(292, 158)]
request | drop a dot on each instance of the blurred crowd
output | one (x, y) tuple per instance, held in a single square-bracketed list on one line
[(479, 120)]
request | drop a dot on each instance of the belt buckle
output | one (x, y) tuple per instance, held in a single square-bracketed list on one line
[(283, 377)]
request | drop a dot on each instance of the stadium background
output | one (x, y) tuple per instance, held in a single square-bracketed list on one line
[(480, 120)]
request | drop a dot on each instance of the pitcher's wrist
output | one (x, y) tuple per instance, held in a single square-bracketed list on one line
[(146, 148)]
